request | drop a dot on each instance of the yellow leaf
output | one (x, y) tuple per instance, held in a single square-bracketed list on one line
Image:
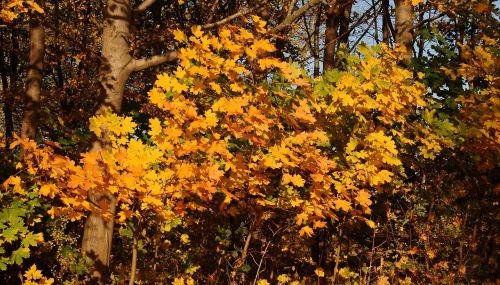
[(33, 273), (370, 223), (179, 36), (263, 45), (178, 281), (306, 231), (49, 190), (197, 32), (301, 218), (214, 173), (363, 198), (295, 179), (185, 239), (342, 204), (319, 224), (263, 282), (319, 272), (283, 278), (416, 2)]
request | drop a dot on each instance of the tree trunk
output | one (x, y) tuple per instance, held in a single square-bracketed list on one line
[(317, 24), (386, 20), (98, 232), (34, 78), (404, 28), (344, 32), (13, 85), (6, 94), (331, 35)]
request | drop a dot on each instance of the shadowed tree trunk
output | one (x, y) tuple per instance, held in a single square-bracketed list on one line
[(386, 21), (6, 94), (34, 78), (404, 28), (13, 85), (317, 24), (331, 35), (338, 17), (344, 31)]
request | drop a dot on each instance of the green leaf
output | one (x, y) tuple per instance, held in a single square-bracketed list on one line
[(10, 234), (20, 254), (29, 240)]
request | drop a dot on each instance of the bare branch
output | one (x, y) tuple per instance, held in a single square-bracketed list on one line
[(425, 21), (144, 5), (140, 64), (232, 17), (294, 16)]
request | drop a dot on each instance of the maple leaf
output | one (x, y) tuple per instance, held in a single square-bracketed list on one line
[(197, 32), (303, 112), (342, 204), (214, 173), (263, 45), (14, 181), (179, 36), (295, 179), (381, 177), (49, 190), (301, 218), (33, 273), (319, 224), (306, 231), (363, 198)]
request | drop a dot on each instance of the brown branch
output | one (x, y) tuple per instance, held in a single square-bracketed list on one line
[(133, 267), (294, 16), (140, 64), (428, 20), (232, 17), (290, 7), (144, 5)]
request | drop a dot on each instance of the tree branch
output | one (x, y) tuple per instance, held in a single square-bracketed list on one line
[(294, 16), (144, 5), (232, 17), (140, 64), (425, 21)]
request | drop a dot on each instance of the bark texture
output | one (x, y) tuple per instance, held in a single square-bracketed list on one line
[(7, 122), (34, 78), (338, 16), (331, 35), (404, 28), (386, 21)]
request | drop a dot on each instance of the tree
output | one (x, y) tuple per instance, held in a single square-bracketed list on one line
[(34, 76), (404, 27)]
